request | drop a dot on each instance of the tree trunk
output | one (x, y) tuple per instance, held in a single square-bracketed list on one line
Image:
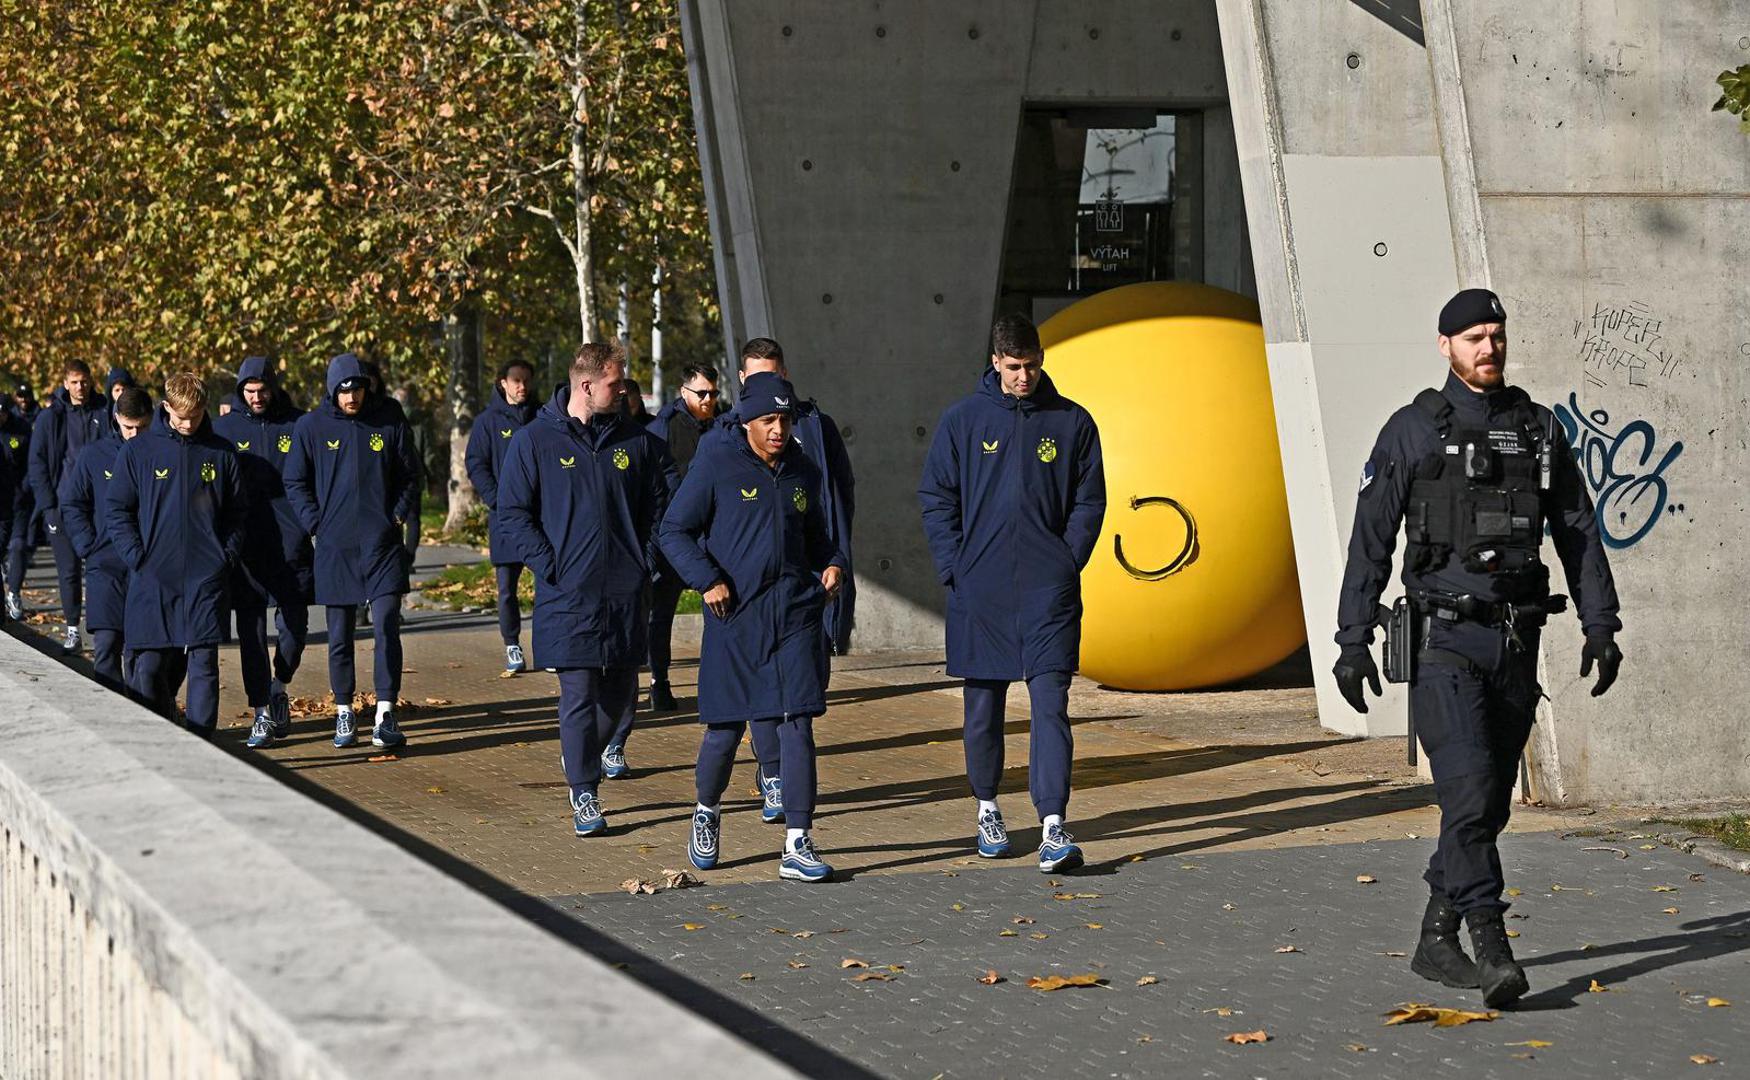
[(462, 340), (581, 255)]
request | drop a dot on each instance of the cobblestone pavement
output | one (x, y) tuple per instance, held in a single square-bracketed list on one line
[(1219, 827)]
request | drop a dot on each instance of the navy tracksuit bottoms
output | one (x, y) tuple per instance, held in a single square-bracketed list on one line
[(794, 764), (18, 551), (158, 673), (1049, 748), (665, 593), (510, 609), (595, 712), (386, 625), (293, 630), (69, 569), (106, 658), (1472, 721)]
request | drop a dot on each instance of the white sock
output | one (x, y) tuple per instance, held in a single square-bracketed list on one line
[(343, 710), (987, 806), (713, 810), (383, 709), (1053, 819), (791, 836)]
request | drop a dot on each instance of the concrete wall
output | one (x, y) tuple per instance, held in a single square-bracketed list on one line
[(169, 911), (1594, 190), (1345, 201), (859, 158)]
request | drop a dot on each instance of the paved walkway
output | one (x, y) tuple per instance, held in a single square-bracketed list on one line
[(1220, 827)]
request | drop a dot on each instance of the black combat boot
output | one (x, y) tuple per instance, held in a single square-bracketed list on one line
[(662, 698), (1439, 956), (1501, 977)]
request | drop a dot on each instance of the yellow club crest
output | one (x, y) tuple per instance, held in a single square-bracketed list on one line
[(749, 494), (209, 471), (334, 444), (244, 445), (285, 444), (990, 447), (12, 442), (800, 499), (622, 460), (1047, 450), (376, 442), (107, 475), (161, 474), (504, 433), (567, 462)]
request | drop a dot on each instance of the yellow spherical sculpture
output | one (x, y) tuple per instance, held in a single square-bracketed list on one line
[(1193, 581)]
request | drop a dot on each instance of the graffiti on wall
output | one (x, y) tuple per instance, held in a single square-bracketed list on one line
[(1624, 345), (1624, 470)]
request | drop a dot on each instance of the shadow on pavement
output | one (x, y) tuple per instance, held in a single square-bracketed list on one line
[(1707, 939)]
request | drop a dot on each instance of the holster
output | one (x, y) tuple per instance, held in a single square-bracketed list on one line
[(1400, 623)]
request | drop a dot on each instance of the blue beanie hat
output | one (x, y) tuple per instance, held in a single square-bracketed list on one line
[(763, 394)]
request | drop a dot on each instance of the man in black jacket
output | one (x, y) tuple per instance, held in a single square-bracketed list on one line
[(75, 418)]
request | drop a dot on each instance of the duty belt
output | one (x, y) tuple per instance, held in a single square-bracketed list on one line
[(1465, 607)]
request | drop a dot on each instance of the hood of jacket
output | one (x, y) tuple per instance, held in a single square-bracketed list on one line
[(279, 407), (558, 411), (118, 376), (522, 413), (341, 368), (161, 428)]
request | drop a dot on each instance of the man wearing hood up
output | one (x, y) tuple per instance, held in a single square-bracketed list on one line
[(85, 513), (581, 491), (278, 565), (513, 406), (352, 479), (747, 530), (176, 511), (118, 379), (75, 418), (1013, 496)]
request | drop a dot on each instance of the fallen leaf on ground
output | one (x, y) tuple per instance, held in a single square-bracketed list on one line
[(1365, 879), (382, 757), (1394, 953), (1664, 888), (1136, 858), (1095, 926), (1075, 896), (1535, 1044), (454, 665), (1142, 1039), (507, 674), (746, 976), (1416, 1014), (1597, 988), (1357, 1048), (836, 930), (437, 702), (1668, 911), (1008, 933), (1703, 1059), (1058, 982), (796, 965), (1241, 1038), (1287, 948), (638, 886), (1147, 980), (1717, 1003), (1512, 933), (853, 962), (1513, 892), (776, 930), (1021, 920), (434, 791), (692, 926), (958, 907), (716, 907), (1560, 888), (1228, 907), (679, 879), (1221, 1010), (1036, 936), (645, 849), (895, 967), (949, 873), (872, 976), (990, 978), (803, 934)]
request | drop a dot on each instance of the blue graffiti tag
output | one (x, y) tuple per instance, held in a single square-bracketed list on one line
[(1630, 496)]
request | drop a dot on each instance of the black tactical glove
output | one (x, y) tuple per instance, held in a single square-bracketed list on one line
[(1601, 647), (1353, 666)]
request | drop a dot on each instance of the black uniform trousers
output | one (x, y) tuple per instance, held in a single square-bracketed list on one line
[(1472, 721)]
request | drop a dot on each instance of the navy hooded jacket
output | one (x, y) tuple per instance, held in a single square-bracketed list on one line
[(15, 463), (278, 562), (488, 442), (118, 376), (819, 438), (1013, 496), (60, 432), (84, 514), (176, 509), (761, 530), (578, 504), (353, 480)]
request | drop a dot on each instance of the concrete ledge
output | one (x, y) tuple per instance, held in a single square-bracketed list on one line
[(1708, 849), (300, 944)]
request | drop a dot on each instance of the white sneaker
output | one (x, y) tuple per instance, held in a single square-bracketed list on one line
[(14, 606), (70, 642)]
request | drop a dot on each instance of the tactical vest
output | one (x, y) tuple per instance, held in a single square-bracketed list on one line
[(1478, 498)]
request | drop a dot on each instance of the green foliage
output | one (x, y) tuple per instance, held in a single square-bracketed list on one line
[(1736, 96), (1732, 829), (186, 182), (476, 586)]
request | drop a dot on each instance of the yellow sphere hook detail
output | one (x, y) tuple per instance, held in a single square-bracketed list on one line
[(1180, 561)]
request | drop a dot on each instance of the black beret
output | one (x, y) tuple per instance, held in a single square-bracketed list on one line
[(1468, 308)]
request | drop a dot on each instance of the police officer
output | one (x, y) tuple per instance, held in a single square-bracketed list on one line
[(278, 566), (513, 406), (1013, 496), (1473, 472)]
